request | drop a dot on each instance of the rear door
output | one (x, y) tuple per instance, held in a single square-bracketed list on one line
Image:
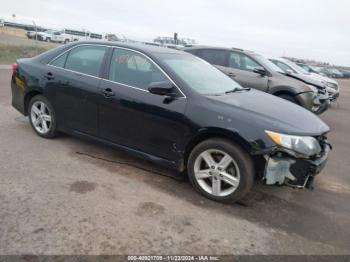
[(73, 80), (241, 68)]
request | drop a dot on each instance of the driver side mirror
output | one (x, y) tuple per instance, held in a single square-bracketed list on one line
[(260, 70), (163, 88)]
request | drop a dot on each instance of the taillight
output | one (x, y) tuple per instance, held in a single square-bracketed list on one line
[(14, 68)]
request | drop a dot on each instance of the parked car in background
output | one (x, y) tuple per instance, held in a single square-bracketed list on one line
[(346, 73), (255, 71), (2, 22), (67, 35), (31, 34), (111, 37), (294, 70), (309, 68), (335, 73), (46, 35), (331, 72), (172, 108)]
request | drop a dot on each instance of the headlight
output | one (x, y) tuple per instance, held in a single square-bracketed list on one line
[(305, 145), (331, 85)]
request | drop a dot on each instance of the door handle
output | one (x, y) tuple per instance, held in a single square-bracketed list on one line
[(231, 74), (107, 92), (49, 76)]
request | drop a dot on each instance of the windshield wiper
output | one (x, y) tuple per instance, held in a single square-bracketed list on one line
[(237, 90)]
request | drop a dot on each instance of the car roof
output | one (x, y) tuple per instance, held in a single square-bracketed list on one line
[(144, 48), (194, 47)]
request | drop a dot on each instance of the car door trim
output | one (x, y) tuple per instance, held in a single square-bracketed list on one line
[(114, 47)]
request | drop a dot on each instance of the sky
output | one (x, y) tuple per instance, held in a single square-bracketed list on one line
[(313, 29)]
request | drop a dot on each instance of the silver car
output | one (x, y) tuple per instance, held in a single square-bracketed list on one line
[(290, 67)]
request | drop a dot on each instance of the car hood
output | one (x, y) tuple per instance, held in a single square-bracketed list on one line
[(269, 112), (308, 79), (323, 78)]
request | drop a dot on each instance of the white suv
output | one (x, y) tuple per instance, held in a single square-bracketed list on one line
[(46, 35)]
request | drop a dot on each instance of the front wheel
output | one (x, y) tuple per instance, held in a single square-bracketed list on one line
[(42, 117), (288, 98), (220, 170)]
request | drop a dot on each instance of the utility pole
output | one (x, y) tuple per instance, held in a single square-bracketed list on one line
[(36, 36)]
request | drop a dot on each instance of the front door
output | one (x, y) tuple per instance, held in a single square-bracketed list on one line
[(241, 69), (130, 115)]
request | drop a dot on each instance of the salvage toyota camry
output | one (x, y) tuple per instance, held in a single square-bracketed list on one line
[(172, 108)]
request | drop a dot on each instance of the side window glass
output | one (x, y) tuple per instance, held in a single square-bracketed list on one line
[(249, 64), (234, 60), (242, 62), (215, 57), (60, 61), (133, 69), (86, 59)]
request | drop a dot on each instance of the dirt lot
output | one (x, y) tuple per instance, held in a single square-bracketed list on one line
[(69, 196)]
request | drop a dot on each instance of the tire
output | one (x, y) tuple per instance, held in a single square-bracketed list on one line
[(242, 165), (48, 39), (66, 41), (40, 114), (288, 98)]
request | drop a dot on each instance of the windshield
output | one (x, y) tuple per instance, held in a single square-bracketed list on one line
[(298, 68), (267, 63), (198, 74)]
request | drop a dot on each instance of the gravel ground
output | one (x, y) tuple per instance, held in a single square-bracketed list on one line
[(69, 196)]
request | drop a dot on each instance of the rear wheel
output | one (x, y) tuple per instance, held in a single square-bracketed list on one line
[(66, 41), (42, 117), (48, 39), (220, 170)]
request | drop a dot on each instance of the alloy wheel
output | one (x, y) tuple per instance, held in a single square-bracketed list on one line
[(216, 172), (41, 117)]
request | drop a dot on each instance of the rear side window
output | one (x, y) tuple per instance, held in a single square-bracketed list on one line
[(133, 69), (86, 59), (60, 61), (215, 57), (242, 62)]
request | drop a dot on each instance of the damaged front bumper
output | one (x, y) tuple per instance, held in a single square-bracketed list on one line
[(321, 102), (284, 169)]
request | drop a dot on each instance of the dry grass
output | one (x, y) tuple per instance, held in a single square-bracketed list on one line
[(10, 53), (13, 31)]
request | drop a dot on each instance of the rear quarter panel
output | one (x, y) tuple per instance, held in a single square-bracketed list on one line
[(26, 81)]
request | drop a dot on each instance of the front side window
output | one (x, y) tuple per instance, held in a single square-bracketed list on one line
[(86, 59), (133, 69), (215, 57), (242, 62)]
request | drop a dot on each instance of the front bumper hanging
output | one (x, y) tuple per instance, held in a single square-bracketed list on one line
[(283, 169)]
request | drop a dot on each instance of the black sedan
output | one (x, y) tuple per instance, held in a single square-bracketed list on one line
[(172, 108)]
